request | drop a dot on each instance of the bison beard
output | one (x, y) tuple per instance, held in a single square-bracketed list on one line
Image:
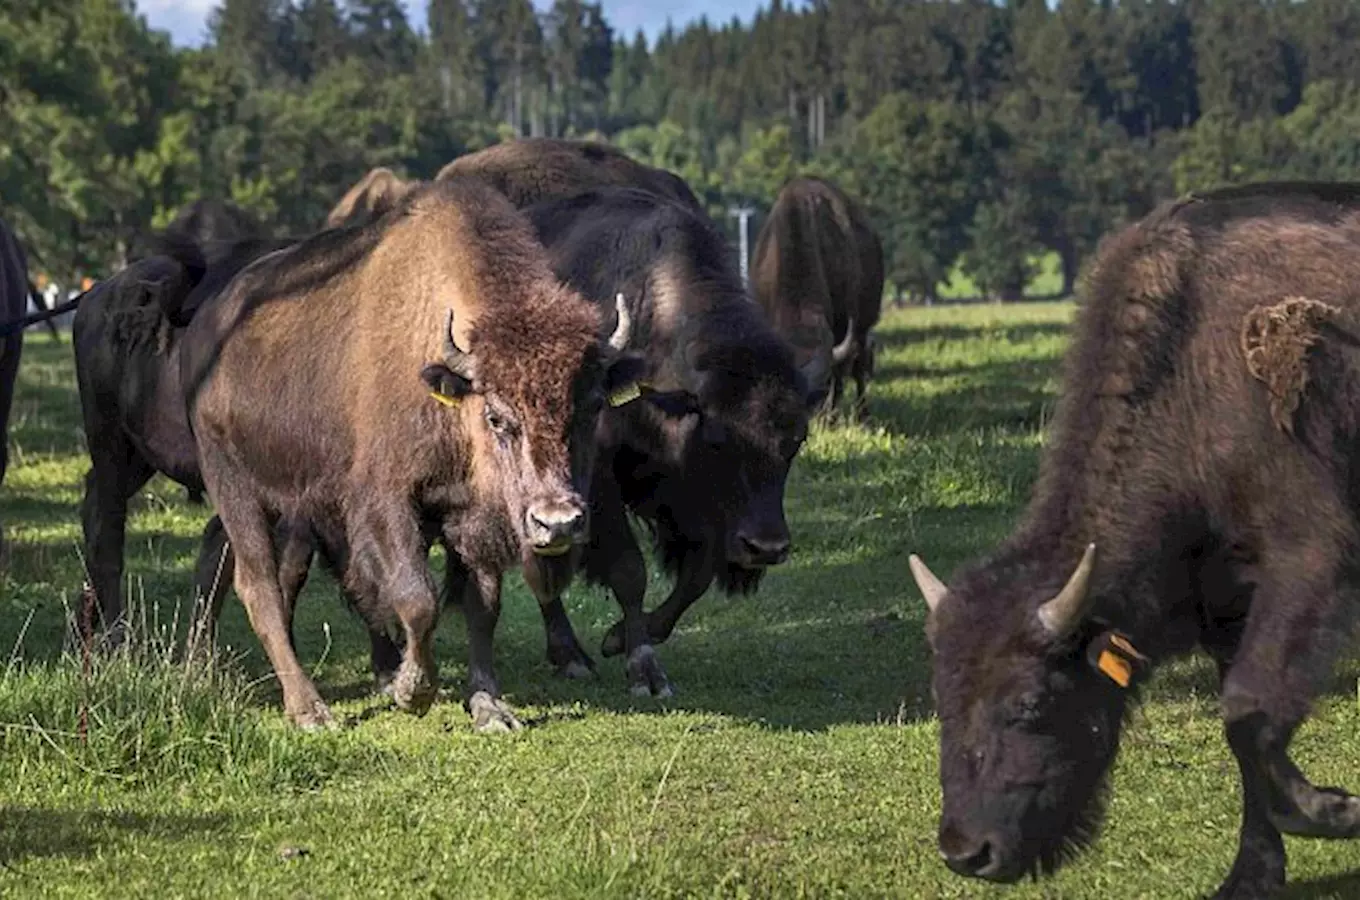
[(1206, 440)]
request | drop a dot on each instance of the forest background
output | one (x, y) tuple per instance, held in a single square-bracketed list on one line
[(985, 139)]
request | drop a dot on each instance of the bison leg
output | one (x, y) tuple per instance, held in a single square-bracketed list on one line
[(117, 471), (565, 652), (257, 584), (1266, 696), (616, 559), (390, 561), (481, 593)]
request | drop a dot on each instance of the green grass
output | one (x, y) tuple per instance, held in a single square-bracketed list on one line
[(797, 759)]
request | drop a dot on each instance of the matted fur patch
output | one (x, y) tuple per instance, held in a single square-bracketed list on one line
[(1275, 341)]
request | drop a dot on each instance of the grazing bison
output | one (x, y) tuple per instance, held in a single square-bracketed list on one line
[(535, 170), (1199, 488), (705, 462), (818, 274), (126, 336), (430, 380), (374, 194)]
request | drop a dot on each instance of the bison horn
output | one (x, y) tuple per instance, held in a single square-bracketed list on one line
[(846, 348), (458, 362), (624, 329), (1065, 611), (932, 588)]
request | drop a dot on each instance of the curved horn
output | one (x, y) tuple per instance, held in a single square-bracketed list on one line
[(459, 362), (932, 588), (846, 348), (1066, 610), (624, 329)]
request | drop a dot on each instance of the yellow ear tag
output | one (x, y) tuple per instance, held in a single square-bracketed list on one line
[(446, 400), (1116, 667), (625, 394)]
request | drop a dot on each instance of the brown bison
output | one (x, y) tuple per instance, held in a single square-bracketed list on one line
[(818, 274), (429, 380), (374, 194), (1199, 489), (534, 170)]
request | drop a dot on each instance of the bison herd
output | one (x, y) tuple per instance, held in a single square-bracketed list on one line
[(549, 340)]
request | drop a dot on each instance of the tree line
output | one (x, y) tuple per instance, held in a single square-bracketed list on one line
[(979, 135)]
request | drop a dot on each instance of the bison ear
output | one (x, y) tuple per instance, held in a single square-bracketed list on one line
[(445, 385), (623, 378)]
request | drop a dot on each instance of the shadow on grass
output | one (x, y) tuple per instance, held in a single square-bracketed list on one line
[(1021, 401), (27, 834), (900, 337), (1342, 887)]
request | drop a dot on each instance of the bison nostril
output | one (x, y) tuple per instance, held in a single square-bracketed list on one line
[(765, 551), (973, 861), (555, 523)]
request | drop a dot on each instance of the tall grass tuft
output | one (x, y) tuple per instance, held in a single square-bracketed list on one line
[(147, 712)]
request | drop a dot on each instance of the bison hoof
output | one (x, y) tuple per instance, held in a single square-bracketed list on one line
[(645, 675), (612, 645), (315, 716), (575, 670), (490, 715), (1325, 812), (414, 689)]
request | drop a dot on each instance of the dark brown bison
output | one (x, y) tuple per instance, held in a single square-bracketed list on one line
[(1199, 489), (372, 196), (704, 462), (429, 380), (126, 336), (535, 170), (817, 272)]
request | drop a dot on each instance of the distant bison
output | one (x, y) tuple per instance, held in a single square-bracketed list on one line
[(1199, 488), (818, 274), (372, 196), (534, 170), (429, 379)]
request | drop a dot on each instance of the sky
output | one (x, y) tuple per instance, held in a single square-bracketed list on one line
[(184, 19)]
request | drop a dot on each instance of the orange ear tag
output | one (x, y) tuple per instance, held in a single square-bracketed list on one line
[(1116, 667)]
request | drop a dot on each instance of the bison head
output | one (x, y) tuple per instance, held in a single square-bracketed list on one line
[(1031, 697), (535, 391), (746, 410)]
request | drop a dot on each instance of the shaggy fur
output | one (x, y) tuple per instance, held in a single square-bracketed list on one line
[(1216, 527), (817, 271), (535, 170)]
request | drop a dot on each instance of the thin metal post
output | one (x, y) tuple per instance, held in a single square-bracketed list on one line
[(743, 214)]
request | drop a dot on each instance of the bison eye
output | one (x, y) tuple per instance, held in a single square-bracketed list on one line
[(496, 422), (1029, 707)]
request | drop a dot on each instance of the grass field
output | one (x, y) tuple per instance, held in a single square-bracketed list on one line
[(798, 757)]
